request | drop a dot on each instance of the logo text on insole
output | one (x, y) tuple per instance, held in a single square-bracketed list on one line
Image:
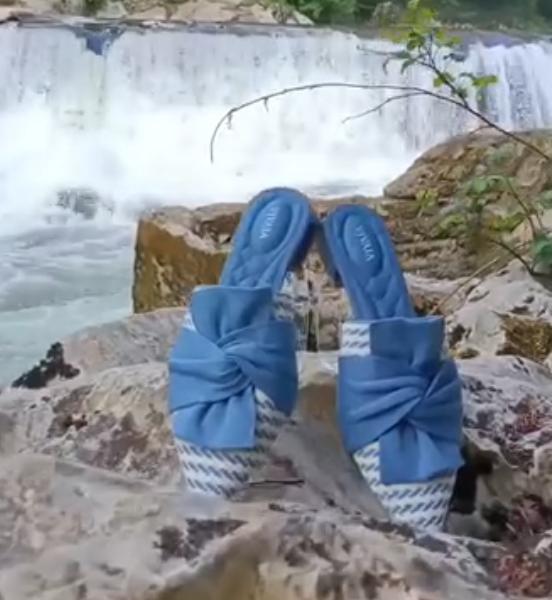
[(268, 223), (365, 244)]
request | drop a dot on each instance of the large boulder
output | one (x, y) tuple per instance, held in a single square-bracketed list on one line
[(446, 167), (70, 532), (178, 248)]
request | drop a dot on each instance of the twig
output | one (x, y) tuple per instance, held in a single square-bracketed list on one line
[(381, 105), (525, 208), (259, 482), (470, 278), (362, 86), (512, 251)]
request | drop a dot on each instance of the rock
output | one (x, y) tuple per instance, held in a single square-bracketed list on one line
[(508, 417), (74, 7), (112, 10), (298, 18), (444, 168), (509, 312), (7, 13), (386, 13), (155, 13), (329, 307), (115, 420), (143, 338), (70, 531), (222, 11), (147, 337), (177, 249), (38, 7)]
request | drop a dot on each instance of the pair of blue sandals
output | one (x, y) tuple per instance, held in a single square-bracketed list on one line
[(234, 376)]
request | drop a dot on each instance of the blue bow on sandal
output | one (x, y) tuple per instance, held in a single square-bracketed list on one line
[(233, 372), (399, 395)]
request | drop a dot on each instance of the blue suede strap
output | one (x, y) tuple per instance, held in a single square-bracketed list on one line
[(237, 346), (405, 395)]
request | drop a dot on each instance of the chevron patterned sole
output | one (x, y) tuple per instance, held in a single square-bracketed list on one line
[(225, 472), (420, 505)]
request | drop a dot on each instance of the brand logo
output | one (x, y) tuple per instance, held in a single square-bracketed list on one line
[(365, 244), (268, 223)]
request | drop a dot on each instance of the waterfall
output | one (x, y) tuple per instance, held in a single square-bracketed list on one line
[(129, 113)]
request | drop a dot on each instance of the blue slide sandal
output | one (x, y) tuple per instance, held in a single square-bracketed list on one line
[(399, 395), (232, 371)]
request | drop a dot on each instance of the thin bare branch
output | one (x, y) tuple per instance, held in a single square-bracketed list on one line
[(365, 113), (511, 250), (473, 276), (362, 86), (526, 210)]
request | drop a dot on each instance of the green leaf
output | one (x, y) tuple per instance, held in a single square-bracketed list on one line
[(442, 79), (453, 224), (507, 223), (479, 186), (484, 81), (407, 64), (542, 250)]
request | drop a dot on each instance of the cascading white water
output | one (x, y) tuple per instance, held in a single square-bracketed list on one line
[(132, 121)]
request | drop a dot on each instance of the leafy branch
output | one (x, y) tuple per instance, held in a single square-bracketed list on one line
[(469, 219), (426, 45)]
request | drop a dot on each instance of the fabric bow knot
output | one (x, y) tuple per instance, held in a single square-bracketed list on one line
[(236, 346), (406, 396)]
